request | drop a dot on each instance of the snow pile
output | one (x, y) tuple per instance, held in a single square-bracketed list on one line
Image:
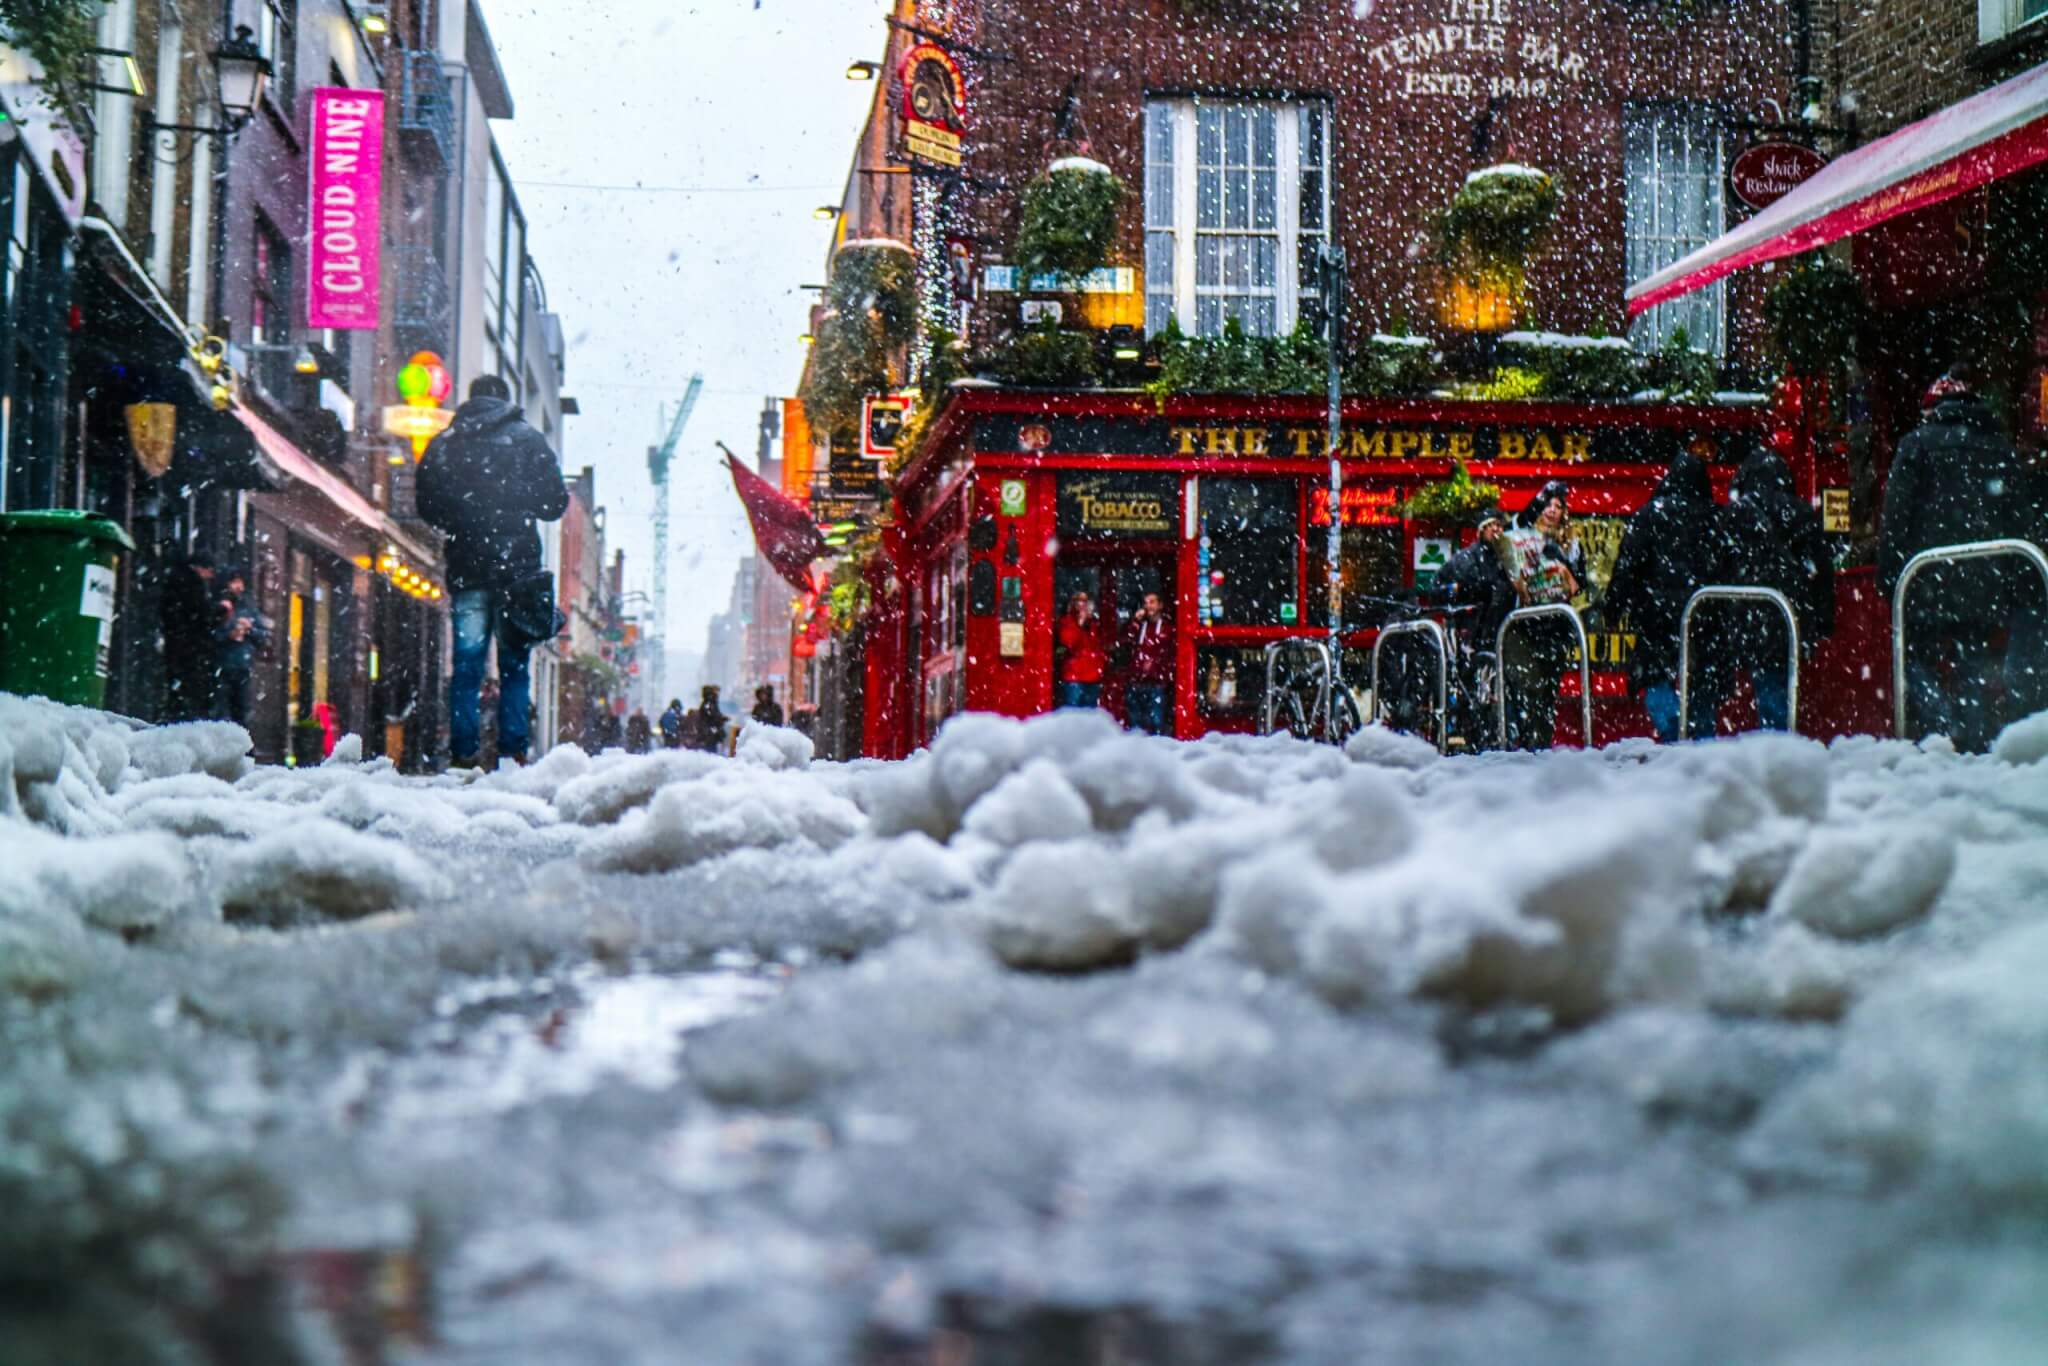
[(317, 869), (730, 808)]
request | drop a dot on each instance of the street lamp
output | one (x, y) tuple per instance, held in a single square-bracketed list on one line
[(241, 72), (825, 212), (862, 71)]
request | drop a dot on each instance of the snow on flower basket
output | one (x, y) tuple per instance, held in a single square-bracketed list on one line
[(1586, 368), (1067, 223), (1500, 217), (1449, 502), (1814, 311), (877, 276), (871, 312)]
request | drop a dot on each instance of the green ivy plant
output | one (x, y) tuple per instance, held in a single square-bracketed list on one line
[(934, 391), (1814, 312), (1043, 356), (849, 361), (1067, 223), (1685, 373), (59, 34), (1394, 366), (879, 279), (1583, 368), (1450, 500), (1500, 217), (1509, 384)]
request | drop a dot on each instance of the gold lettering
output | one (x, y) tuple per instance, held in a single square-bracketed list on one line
[(1304, 438), (1186, 436), (1370, 445), (1220, 440), (1578, 446), (1254, 442), (1542, 449), (1513, 446), (1404, 444), (1461, 446), (1429, 450)]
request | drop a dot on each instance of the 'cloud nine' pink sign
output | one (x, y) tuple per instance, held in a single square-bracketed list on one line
[(343, 222)]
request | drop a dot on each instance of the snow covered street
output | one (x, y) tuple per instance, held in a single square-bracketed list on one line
[(1051, 1044)]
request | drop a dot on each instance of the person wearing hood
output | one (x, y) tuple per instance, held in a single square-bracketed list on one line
[(1675, 545), (671, 724), (1474, 580), (1957, 478), (485, 482), (1775, 541), (1543, 566)]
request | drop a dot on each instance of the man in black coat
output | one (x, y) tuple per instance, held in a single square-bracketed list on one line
[(192, 609), (1776, 541), (1957, 478), (484, 482), (1474, 578), (1676, 544)]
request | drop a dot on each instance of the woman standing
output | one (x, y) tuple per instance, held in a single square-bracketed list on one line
[(1081, 657), (1676, 544), (1546, 566)]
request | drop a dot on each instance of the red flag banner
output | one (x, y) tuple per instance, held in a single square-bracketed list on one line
[(787, 537)]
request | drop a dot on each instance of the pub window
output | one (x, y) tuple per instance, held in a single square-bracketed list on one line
[(1997, 18), (1237, 199), (276, 22), (1673, 167), (1372, 572), (1250, 533), (270, 309)]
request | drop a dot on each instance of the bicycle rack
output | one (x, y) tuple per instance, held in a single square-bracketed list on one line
[(1730, 592), (1434, 633), (1274, 649), (1944, 554), (1500, 637)]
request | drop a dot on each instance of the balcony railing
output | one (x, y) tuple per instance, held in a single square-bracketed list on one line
[(426, 115), (421, 306)]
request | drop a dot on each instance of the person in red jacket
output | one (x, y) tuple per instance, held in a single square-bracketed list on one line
[(1081, 657), (1148, 646)]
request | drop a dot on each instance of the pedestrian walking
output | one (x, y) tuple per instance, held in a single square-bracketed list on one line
[(485, 482), (1474, 583), (672, 724), (1081, 656), (191, 612), (704, 729), (1147, 648), (639, 733), (1775, 541), (1955, 478), (767, 710), (1675, 545), (239, 634), (1537, 555)]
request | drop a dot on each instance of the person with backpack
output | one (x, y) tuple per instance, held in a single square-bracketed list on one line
[(485, 482), (672, 724), (1675, 545), (1775, 541)]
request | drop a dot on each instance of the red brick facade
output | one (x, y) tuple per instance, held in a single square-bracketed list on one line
[(1400, 153), (1900, 60)]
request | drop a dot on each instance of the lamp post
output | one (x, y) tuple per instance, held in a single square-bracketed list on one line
[(241, 74), (1331, 263)]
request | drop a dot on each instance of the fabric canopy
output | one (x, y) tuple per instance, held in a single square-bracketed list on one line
[(2000, 132), (788, 538)]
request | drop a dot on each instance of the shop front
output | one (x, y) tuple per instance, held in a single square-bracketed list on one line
[(1221, 505)]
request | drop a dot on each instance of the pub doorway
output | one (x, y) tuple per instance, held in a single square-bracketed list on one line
[(1116, 579)]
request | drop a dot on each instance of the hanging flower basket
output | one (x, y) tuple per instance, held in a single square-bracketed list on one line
[(1496, 222), (1067, 224), (1450, 501), (1814, 312), (849, 361), (876, 276)]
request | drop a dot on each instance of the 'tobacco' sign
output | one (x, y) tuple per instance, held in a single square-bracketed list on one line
[(342, 208), (1769, 171)]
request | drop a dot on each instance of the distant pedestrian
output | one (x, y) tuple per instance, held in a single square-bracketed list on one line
[(1475, 584), (1538, 555), (485, 481), (610, 735), (1147, 647), (705, 727), (1958, 478), (1775, 541), (239, 634), (1080, 654), (191, 611), (639, 733), (1675, 545), (672, 724), (767, 710)]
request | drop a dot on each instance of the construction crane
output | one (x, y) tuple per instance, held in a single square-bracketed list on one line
[(658, 460)]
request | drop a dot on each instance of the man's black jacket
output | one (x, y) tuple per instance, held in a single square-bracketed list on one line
[(484, 482)]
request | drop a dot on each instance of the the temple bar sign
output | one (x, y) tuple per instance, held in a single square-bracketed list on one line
[(1386, 443)]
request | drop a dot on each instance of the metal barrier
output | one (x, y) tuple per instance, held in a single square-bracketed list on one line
[(1731, 592), (1274, 649), (1500, 637), (1435, 635), (1944, 554)]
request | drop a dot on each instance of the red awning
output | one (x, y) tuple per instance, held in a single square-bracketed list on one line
[(1997, 133), (279, 450)]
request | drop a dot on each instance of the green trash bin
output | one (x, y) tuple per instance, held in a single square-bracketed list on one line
[(57, 575)]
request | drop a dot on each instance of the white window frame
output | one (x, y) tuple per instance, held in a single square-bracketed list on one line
[(1651, 329), (2001, 18), (1287, 207)]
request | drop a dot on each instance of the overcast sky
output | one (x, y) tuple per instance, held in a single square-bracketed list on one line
[(745, 104)]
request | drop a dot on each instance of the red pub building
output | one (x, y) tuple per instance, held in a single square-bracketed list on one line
[(1251, 133)]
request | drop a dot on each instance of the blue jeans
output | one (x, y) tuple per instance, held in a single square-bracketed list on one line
[(1077, 694), (1773, 698), (1146, 704), (478, 617), (1661, 701)]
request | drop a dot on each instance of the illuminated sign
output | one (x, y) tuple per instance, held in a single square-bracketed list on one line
[(934, 105), (344, 228), (1362, 506)]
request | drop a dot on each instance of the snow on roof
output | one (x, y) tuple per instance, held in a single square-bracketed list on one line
[(1389, 339), (1079, 164), (873, 243), (1561, 341)]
